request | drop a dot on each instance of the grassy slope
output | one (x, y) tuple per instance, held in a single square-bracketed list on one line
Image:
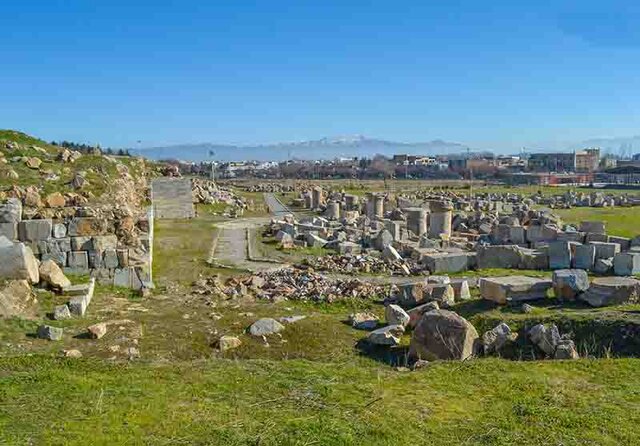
[(47, 401), (100, 177)]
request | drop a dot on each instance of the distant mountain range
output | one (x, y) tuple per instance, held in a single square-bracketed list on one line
[(325, 148), (359, 146)]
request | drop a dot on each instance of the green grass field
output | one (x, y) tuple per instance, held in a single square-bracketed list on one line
[(621, 221), (492, 402)]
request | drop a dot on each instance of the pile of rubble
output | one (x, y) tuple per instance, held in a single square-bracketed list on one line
[(269, 187), (290, 284), (363, 263)]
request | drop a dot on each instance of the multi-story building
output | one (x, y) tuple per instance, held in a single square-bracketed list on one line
[(552, 162), (588, 160)]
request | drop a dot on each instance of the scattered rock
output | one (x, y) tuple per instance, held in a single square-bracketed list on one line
[(72, 353), (97, 331), (395, 315), (546, 338), (228, 343), (265, 326), (363, 321), (50, 333), (61, 312), (389, 335), (494, 339)]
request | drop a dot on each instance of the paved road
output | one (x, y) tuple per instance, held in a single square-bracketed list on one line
[(276, 207), (231, 247)]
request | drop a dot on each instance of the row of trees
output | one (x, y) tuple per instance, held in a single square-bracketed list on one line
[(88, 148)]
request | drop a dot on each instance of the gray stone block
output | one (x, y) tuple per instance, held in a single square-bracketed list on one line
[(110, 258), (559, 255), (626, 264), (9, 230), (11, 211), (103, 242), (78, 260), (83, 243), (59, 230), (95, 259), (605, 250), (584, 257), (34, 230)]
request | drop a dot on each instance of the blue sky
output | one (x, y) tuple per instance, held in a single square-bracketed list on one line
[(488, 74)]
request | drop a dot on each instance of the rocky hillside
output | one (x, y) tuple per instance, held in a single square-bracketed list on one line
[(46, 176)]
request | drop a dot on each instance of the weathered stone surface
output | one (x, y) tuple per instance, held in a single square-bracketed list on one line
[(34, 230), (50, 333), (78, 260), (97, 331), (605, 250), (496, 338), (226, 343), (82, 243), (265, 326), (59, 230), (559, 255), (513, 288), (61, 312), (16, 299), (18, 262), (9, 230), (52, 275), (389, 335), (452, 262), (569, 283), (603, 266), (363, 321), (626, 264), (85, 226), (584, 257), (566, 349), (102, 242), (606, 291), (55, 200), (110, 259), (498, 256), (11, 211), (443, 334), (415, 313), (546, 338), (461, 290), (395, 315)]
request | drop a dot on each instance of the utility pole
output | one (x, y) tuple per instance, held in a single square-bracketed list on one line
[(212, 154)]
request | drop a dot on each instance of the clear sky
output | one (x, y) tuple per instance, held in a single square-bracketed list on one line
[(484, 73)]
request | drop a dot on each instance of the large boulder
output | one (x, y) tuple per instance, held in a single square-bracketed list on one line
[(16, 299), (443, 334), (569, 283), (52, 275), (18, 262), (513, 288), (395, 315), (265, 326), (612, 291)]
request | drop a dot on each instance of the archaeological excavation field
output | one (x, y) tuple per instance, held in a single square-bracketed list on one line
[(141, 307)]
